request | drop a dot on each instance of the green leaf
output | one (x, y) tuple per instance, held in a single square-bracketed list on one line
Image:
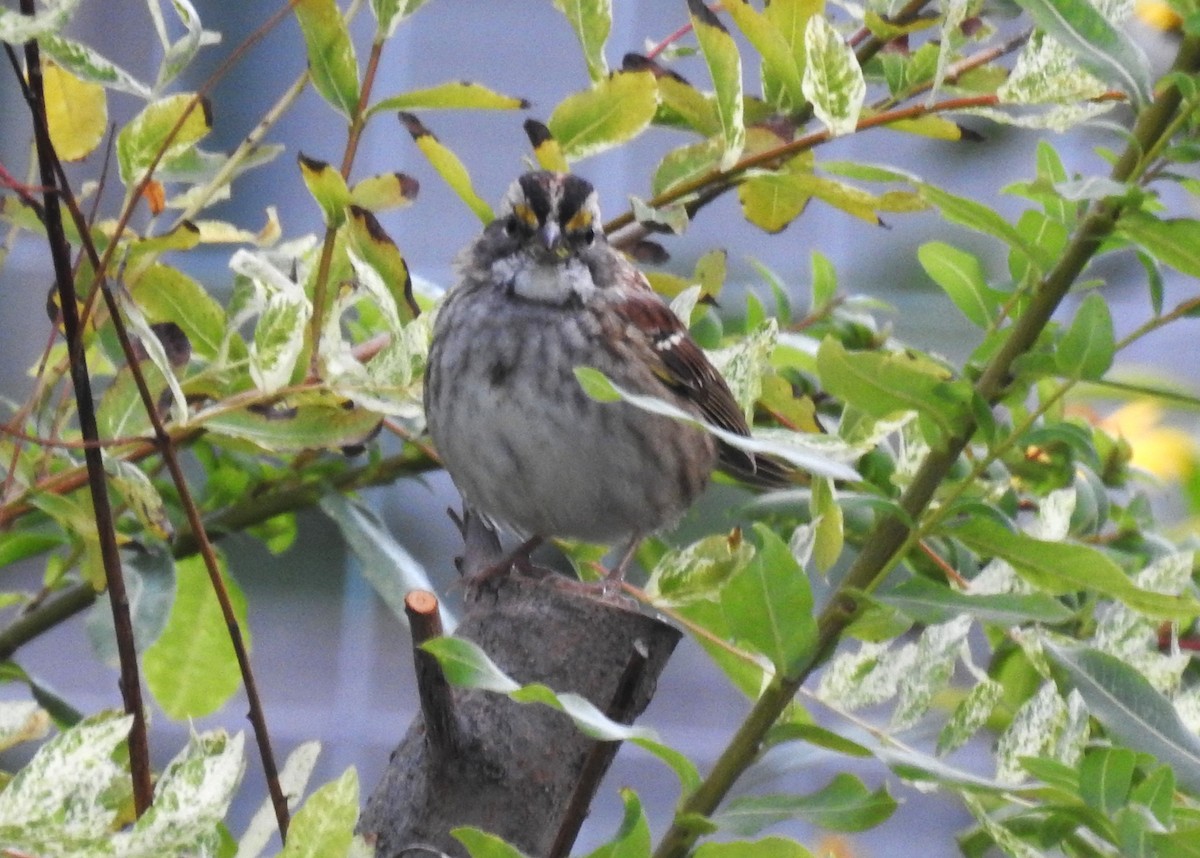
[(150, 585), (830, 536), (327, 187), (141, 141), (883, 385), (682, 105), (16, 545), (1087, 348), (771, 201), (155, 347), (768, 604), (1131, 709), (1061, 567), (845, 804), (331, 59), (191, 798), (369, 241), (22, 721), (768, 847), (389, 14), (1106, 51), (166, 294), (824, 280), (452, 95), (385, 563), (325, 825), (686, 164), (448, 166), (780, 70), (613, 111), (468, 666), (929, 602), (960, 275), (632, 839), (307, 427), (191, 669), (684, 768), (384, 191), (1106, 777), (1174, 242), (699, 570), (596, 384), (480, 844), (591, 20), (790, 18), (120, 413), (976, 216), (725, 67), (833, 80)]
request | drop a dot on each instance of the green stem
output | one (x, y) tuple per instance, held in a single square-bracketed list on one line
[(883, 549)]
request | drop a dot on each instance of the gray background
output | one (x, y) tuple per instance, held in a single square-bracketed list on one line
[(332, 662)]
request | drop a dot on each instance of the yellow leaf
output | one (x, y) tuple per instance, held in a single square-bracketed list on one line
[(76, 111), (1166, 452)]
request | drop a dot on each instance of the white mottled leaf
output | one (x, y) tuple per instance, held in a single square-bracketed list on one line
[(1033, 732), (1107, 51), (87, 64), (191, 798), (971, 713), (802, 450), (870, 675), (16, 29), (71, 789), (937, 651), (833, 80), (283, 313), (293, 780)]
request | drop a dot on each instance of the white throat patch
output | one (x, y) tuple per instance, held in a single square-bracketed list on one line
[(545, 283)]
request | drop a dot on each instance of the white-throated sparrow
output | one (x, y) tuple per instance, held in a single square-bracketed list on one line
[(540, 293)]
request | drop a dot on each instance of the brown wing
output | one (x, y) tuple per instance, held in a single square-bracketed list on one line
[(682, 366)]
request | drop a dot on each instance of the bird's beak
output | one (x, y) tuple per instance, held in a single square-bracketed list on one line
[(550, 237)]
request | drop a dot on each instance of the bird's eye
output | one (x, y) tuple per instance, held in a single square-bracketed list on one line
[(511, 225), (588, 235)]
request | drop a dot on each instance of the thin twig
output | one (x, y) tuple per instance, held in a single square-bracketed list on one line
[(130, 681), (600, 756)]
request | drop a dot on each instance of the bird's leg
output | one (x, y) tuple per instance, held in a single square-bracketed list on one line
[(616, 575), (518, 559)]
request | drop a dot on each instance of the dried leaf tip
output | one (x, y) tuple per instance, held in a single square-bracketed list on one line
[(414, 126), (704, 15)]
